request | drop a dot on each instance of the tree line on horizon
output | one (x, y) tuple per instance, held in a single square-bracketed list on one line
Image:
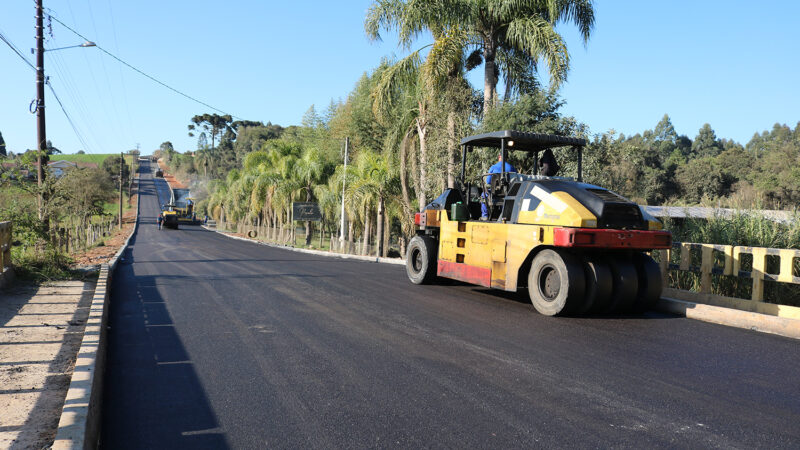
[(405, 118)]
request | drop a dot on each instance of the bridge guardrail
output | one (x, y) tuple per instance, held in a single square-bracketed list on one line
[(6, 268), (729, 260)]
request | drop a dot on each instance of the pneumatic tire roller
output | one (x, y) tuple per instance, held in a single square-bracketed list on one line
[(577, 248)]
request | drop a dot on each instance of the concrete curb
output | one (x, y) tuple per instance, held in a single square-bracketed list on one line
[(376, 259), (79, 426), (764, 323), (697, 311)]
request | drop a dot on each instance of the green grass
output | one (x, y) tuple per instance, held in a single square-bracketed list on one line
[(90, 158), (12, 194), (112, 207)]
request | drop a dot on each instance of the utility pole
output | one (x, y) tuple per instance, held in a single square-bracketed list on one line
[(121, 162), (40, 80), (344, 182)]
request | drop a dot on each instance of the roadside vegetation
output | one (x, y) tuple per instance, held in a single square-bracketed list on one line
[(92, 158), (740, 230), (404, 120), (78, 207)]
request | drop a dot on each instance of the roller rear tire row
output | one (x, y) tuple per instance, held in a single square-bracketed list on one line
[(561, 283)]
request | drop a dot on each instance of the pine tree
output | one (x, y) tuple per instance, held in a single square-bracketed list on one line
[(706, 143)]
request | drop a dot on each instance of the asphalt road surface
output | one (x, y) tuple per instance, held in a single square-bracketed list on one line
[(217, 343)]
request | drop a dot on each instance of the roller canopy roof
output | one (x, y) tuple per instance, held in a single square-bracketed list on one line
[(522, 141)]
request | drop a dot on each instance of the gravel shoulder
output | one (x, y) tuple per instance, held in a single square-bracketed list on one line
[(42, 329)]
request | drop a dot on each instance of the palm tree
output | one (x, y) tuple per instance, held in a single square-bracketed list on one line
[(522, 30), (308, 172), (406, 93), (329, 197), (375, 184), (400, 98), (255, 164), (351, 208)]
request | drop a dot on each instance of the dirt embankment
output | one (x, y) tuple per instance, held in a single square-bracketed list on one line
[(174, 183)]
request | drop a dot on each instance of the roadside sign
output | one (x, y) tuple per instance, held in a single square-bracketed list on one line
[(306, 212)]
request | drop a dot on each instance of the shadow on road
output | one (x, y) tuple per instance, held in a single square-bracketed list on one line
[(153, 397), (521, 296)]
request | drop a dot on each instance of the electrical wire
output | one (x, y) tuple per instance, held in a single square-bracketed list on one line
[(112, 121), (16, 50), (121, 75), (87, 115), (73, 94), (69, 119), (47, 81), (142, 73), (113, 103)]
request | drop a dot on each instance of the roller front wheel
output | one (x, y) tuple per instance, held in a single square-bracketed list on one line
[(421, 260)]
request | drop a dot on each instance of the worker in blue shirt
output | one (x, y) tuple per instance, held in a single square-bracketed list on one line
[(496, 168)]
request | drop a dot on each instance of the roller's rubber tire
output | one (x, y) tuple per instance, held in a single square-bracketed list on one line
[(556, 283), (599, 285), (626, 285), (650, 283), (421, 259)]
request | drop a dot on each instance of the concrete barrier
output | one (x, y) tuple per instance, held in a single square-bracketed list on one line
[(728, 260), (79, 426), (764, 323)]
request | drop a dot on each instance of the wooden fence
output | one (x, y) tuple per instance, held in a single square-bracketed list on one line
[(6, 268), (72, 238), (757, 264)]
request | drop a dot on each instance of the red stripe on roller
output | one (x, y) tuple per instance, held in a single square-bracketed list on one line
[(601, 238), (465, 273)]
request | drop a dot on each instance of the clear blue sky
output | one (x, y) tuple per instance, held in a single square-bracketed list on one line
[(731, 64)]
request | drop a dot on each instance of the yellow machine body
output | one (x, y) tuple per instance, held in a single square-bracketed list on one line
[(553, 235)]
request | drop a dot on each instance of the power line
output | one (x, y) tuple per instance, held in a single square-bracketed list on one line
[(69, 119), (116, 48), (113, 102), (16, 50), (83, 115), (142, 73)]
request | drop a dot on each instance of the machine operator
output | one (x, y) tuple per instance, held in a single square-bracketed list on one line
[(496, 168)]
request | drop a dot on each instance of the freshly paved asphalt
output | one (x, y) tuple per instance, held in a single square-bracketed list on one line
[(220, 343)]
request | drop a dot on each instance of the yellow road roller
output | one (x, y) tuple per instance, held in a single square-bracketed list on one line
[(170, 216), (577, 248)]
